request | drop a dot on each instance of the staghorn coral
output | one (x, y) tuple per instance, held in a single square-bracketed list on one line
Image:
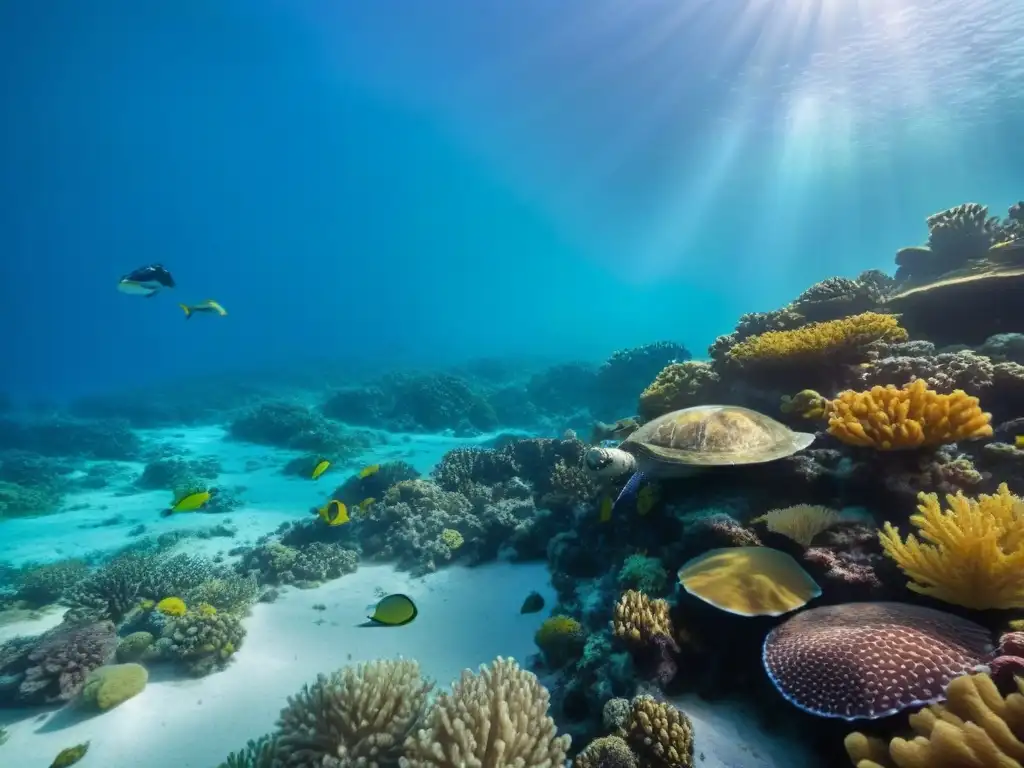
[(258, 753), (661, 734), (359, 716), (606, 752), (819, 341), (886, 418), (862, 661), (975, 552), (679, 385), (801, 522), (976, 728), (496, 718)]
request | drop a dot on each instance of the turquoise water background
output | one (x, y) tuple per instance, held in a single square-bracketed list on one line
[(397, 183)]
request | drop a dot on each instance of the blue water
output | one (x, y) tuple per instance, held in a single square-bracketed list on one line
[(456, 179)]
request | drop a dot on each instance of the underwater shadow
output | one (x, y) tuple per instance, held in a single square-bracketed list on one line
[(67, 716)]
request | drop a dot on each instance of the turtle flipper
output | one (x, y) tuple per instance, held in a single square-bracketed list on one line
[(629, 491)]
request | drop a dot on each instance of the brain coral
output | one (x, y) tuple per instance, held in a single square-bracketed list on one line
[(870, 660)]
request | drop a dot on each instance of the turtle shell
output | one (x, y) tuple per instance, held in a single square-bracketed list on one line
[(715, 435)]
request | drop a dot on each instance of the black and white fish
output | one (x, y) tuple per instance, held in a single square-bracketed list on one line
[(145, 281)]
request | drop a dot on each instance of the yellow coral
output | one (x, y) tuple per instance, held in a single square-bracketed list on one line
[(975, 728), (206, 609), (801, 523), (975, 554), (806, 403), (452, 538), (677, 386), (660, 733), (887, 418), (147, 605), (557, 629), (172, 606), (637, 618), (820, 339)]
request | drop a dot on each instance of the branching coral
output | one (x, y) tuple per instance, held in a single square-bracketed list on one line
[(976, 728), (496, 718), (886, 418), (660, 733), (679, 385), (801, 522), (638, 619), (975, 553), (358, 716), (820, 340), (44, 584), (258, 753)]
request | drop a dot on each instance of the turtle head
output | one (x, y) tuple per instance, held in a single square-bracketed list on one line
[(608, 463)]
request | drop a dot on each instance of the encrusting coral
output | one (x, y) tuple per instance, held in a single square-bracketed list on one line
[(975, 728), (975, 551), (887, 418), (820, 340), (359, 716), (801, 522), (496, 718)]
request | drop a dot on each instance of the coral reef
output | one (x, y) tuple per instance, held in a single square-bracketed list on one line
[(295, 426), (677, 386)]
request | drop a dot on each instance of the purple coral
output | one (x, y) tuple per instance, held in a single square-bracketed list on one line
[(58, 661), (868, 660)]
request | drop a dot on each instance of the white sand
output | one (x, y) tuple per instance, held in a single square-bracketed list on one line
[(467, 617)]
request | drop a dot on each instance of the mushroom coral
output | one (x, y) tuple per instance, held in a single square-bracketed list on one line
[(975, 550)]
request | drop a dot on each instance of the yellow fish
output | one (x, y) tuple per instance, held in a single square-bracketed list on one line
[(333, 513), (365, 504), (1018, 441), (320, 468), (606, 509), (645, 500), (365, 472), (209, 306), (393, 611), (189, 501)]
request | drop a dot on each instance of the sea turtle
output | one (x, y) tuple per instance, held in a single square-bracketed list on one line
[(683, 442)]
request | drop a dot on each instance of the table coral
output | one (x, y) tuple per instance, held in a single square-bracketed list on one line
[(975, 550), (861, 661), (976, 728), (887, 418)]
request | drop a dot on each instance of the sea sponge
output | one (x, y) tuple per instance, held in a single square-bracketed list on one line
[(806, 403), (975, 728), (358, 716), (862, 661), (887, 418), (801, 522), (172, 606), (496, 718), (818, 340), (975, 551), (679, 385), (560, 639), (660, 733), (108, 686), (749, 581), (638, 619), (606, 752)]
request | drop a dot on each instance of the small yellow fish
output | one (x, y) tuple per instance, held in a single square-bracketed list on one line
[(645, 500), (320, 468), (365, 472), (1018, 441), (333, 513), (190, 501), (365, 504), (68, 757), (210, 306), (606, 509)]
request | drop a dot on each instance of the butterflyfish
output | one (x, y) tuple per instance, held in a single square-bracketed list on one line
[(1018, 441), (209, 306), (365, 472), (190, 501), (145, 281), (606, 509), (333, 513), (393, 611), (320, 468)]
